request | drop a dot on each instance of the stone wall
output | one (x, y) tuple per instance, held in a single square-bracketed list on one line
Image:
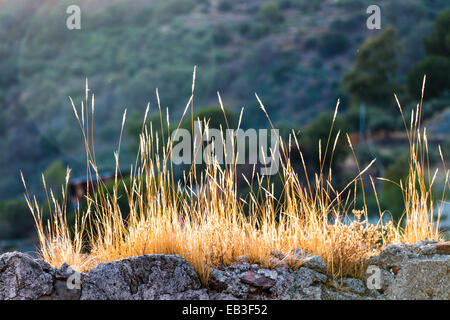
[(419, 271)]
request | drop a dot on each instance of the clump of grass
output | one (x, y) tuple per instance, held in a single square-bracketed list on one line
[(419, 221), (57, 244), (203, 219)]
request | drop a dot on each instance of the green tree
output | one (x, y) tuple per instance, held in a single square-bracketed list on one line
[(438, 43), (437, 70), (436, 65), (373, 78), (333, 43), (270, 13)]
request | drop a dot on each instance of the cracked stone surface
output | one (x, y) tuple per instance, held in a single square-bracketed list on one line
[(22, 278), (145, 277), (417, 271), (422, 279)]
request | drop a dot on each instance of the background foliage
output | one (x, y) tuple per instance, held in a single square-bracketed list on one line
[(298, 55)]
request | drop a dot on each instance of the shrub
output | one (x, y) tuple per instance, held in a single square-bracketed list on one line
[(333, 43), (174, 8), (382, 122), (432, 106), (258, 30), (349, 25), (244, 28), (437, 64), (438, 43), (307, 6), (16, 221), (270, 13), (437, 70), (373, 78)]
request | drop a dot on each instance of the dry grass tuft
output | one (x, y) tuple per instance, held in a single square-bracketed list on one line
[(202, 219)]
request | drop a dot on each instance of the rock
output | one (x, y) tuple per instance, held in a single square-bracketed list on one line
[(277, 263), (294, 283), (355, 285), (227, 282), (63, 272), (298, 253), (427, 249), (315, 263), (391, 256), (277, 254), (240, 267), (144, 277), (443, 248), (387, 278), (414, 271), (218, 280), (67, 284), (258, 281), (420, 279), (312, 293), (221, 296), (405, 271), (272, 274), (332, 294), (22, 278), (274, 261), (45, 266), (242, 259), (63, 292), (201, 294), (236, 287)]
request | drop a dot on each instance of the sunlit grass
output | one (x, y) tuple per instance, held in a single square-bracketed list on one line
[(203, 219)]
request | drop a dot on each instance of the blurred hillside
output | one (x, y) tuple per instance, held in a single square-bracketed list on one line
[(293, 53)]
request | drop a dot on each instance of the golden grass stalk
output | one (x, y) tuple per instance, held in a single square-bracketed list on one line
[(418, 218)]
